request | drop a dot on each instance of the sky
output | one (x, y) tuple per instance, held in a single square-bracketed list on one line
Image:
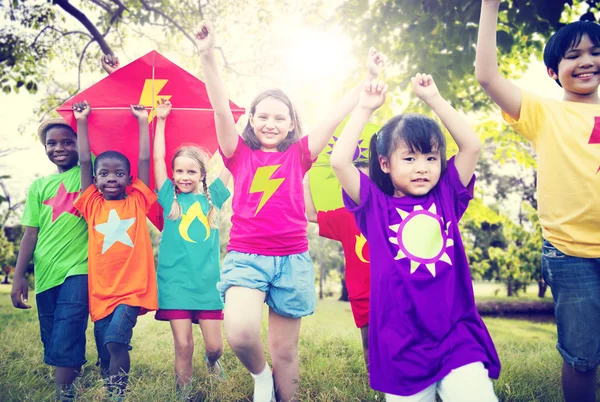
[(314, 62)]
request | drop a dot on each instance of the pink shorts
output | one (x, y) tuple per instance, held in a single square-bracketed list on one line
[(194, 315)]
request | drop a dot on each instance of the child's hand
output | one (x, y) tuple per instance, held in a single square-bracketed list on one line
[(373, 95), (163, 108), (140, 112), (424, 87), (81, 110), (109, 63), (375, 63), (19, 292), (490, 1), (205, 37)]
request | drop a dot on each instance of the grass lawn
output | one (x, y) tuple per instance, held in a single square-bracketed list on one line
[(332, 368)]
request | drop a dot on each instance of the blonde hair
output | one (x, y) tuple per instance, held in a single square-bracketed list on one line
[(201, 157)]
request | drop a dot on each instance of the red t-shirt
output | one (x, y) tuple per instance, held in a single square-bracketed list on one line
[(339, 224)]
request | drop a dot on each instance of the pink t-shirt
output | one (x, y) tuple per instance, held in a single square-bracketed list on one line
[(268, 199)]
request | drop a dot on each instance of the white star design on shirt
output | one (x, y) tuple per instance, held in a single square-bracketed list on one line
[(115, 230)]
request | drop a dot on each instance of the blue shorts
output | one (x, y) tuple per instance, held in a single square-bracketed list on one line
[(575, 284), (63, 314), (287, 281), (116, 327)]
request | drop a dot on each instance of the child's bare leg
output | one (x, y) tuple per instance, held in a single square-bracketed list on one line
[(65, 376), (184, 349), (283, 346), (364, 332), (119, 367), (578, 386), (213, 340), (243, 316)]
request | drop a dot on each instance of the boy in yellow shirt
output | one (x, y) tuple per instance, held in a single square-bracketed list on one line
[(566, 137)]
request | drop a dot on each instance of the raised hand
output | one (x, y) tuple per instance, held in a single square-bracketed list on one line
[(424, 87), (110, 63), (139, 111), (205, 37), (163, 108), (373, 95), (375, 63), (81, 110)]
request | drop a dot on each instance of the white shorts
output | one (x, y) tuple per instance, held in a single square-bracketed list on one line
[(469, 383)]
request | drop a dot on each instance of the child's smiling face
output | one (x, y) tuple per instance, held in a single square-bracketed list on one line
[(271, 123), (579, 69), (412, 172), (112, 178), (61, 147)]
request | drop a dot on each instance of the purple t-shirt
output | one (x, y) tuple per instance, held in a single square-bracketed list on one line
[(268, 200), (423, 320)]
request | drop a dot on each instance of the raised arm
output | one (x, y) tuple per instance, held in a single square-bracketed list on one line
[(225, 176), (225, 124), (465, 137), (371, 98), (81, 111), (159, 153), (141, 114), (311, 211), (320, 136), (503, 92)]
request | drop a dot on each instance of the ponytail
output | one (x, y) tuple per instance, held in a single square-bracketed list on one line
[(212, 212), (175, 212), (378, 176)]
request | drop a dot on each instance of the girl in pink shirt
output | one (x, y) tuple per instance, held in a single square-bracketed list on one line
[(268, 258)]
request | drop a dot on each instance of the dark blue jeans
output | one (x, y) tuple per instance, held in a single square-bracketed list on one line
[(116, 327), (575, 284), (63, 314)]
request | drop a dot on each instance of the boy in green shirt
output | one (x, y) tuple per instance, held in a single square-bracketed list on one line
[(56, 238)]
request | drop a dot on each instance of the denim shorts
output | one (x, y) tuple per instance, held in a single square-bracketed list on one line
[(575, 284), (116, 327), (63, 314), (288, 281)]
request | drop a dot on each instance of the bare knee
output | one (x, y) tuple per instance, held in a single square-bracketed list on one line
[(184, 348), (241, 338), (283, 353)]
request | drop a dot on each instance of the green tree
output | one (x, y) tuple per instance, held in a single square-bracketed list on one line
[(439, 37), (37, 32)]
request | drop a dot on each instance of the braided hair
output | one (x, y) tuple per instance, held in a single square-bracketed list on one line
[(201, 157)]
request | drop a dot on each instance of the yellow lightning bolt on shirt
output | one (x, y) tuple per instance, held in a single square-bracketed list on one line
[(359, 246), (262, 182), (150, 95), (193, 212)]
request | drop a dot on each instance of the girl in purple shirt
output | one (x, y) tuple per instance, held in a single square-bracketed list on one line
[(425, 335)]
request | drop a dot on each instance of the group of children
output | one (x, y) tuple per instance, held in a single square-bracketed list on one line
[(421, 331)]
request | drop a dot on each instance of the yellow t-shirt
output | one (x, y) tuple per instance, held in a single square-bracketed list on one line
[(566, 137)]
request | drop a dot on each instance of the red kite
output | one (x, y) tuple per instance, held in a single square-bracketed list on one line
[(145, 81)]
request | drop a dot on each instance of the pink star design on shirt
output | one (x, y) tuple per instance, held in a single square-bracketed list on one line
[(62, 202), (595, 137)]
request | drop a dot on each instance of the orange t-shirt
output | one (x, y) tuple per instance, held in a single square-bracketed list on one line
[(120, 261)]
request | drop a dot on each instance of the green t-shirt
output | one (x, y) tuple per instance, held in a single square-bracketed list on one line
[(188, 257), (61, 248)]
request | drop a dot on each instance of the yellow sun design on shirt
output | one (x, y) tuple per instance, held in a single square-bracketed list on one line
[(422, 237)]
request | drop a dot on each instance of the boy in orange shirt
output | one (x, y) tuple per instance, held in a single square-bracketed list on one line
[(122, 278)]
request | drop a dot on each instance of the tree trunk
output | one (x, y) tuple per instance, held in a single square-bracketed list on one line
[(509, 286), (321, 283), (542, 286), (344, 296), (6, 282)]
